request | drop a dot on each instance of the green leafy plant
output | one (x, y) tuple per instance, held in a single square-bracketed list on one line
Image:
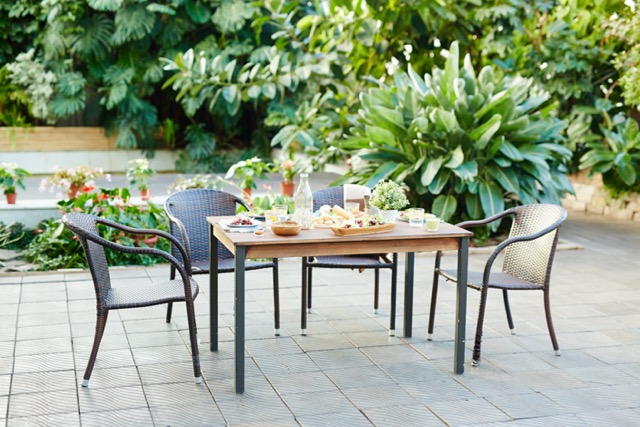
[(617, 158), (388, 195), (246, 172), (261, 204), (79, 177), (11, 176), (139, 172), (56, 247), (196, 181), (465, 144)]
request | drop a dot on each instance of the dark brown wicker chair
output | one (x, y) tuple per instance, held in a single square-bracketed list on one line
[(139, 295), (528, 257), (335, 196), (187, 211)]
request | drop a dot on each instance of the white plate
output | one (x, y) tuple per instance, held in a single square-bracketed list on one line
[(227, 223)]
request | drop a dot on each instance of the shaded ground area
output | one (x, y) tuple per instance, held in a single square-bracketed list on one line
[(347, 371)]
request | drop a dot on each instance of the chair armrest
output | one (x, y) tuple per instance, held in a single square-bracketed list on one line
[(129, 249), (502, 246), (485, 221), (183, 234)]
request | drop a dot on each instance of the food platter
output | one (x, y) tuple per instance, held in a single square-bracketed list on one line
[(355, 231), (248, 223)]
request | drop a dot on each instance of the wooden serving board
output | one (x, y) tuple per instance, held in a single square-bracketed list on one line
[(363, 230)]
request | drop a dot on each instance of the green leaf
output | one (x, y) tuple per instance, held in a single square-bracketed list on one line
[(380, 135), (431, 170), (507, 178), (474, 208), (456, 159), (440, 181), (444, 206), (467, 171), (230, 93), (383, 172), (491, 198), (483, 134), (105, 5), (269, 90), (510, 151)]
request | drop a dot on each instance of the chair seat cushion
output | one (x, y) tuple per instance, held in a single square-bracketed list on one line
[(141, 295), (498, 280), (350, 261), (227, 265)]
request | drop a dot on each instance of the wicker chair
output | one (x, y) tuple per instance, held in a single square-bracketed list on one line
[(528, 258), (139, 295), (335, 196), (187, 211)]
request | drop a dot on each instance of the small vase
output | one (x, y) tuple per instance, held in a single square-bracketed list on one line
[(389, 215), (148, 240), (145, 194), (73, 190), (11, 198), (287, 188)]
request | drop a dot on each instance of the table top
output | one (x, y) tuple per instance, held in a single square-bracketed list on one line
[(322, 241)]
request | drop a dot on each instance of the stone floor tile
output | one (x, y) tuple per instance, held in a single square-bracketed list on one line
[(341, 358), (50, 345), (46, 403), (302, 382), (352, 418), (374, 397), (178, 393), (621, 417), (43, 332), (189, 414), (5, 382), (359, 377), (44, 362), (316, 403), (68, 420), (467, 412), (406, 416), (286, 364), (530, 405), (436, 390), (125, 417), (36, 382), (110, 399)]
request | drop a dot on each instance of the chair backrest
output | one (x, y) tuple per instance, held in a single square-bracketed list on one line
[(84, 225), (532, 260), (328, 196), (192, 207)]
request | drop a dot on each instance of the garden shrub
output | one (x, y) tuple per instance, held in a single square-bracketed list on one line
[(467, 145)]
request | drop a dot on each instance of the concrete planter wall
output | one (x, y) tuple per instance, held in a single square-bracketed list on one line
[(591, 197), (39, 149)]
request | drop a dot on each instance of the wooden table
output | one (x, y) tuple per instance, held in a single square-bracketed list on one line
[(317, 242)]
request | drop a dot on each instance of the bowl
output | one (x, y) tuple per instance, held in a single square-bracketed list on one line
[(286, 228)]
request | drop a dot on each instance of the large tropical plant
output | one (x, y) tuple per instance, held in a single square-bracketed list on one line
[(467, 144)]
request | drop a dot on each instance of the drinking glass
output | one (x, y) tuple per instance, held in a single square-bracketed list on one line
[(279, 211), (415, 216), (352, 206), (432, 223)]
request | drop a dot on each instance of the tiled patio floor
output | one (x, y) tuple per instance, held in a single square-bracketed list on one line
[(347, 371)]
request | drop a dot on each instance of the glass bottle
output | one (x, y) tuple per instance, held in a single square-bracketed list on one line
[(303, 202), (368, 209)]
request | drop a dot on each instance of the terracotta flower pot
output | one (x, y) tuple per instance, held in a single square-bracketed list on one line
[(149, 240), (287, 188), (11, 198), (73, 191), (145, 194)]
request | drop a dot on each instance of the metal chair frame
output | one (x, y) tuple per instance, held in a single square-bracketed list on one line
[(528, 258), (335, 196), (113, 298), (187, 211)]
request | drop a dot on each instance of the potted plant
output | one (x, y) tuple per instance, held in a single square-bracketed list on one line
[(289, 168), (10, 177), (389, 197), (138, 173), (72, 180), (196, 181), (246, 172)]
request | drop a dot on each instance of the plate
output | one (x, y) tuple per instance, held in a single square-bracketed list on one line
[(227, 223), (384, 228)]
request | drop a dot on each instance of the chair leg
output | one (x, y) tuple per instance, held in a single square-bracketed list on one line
[(303, 298), (172, 276), (276, 297), (394, 292), (481, 310), (193, 338), (101, 323), (434, 297), (505, 297), (552, 332), (376, 290)]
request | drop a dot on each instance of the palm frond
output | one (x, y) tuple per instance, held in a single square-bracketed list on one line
[(133, 22), (94, 39)]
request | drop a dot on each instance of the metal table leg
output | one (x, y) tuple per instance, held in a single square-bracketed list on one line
[(408, 293), (239, 317), (213, 290), (461, 306)]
